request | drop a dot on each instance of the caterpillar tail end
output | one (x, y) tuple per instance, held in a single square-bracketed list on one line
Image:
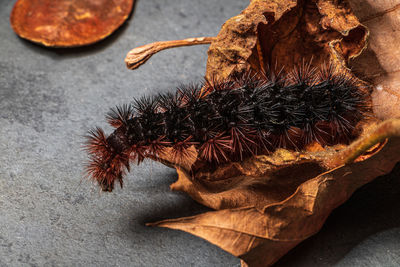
[(107, 163)]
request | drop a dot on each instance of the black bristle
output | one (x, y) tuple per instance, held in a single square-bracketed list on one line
[(119, 115)]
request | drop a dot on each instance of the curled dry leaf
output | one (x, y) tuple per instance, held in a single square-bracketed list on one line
[(268, 204), (277, 207), (380, 63), (283, 33), (67, 23)]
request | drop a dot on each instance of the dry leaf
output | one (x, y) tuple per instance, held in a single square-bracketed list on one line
[(285, 33), (380, 63), (263, 231), (268, 204), (266, 31), (67, 23), (254, 182)]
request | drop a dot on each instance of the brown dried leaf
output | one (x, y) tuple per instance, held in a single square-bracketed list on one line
[(68, 23), (255, 182), (263, 179), (284, 33), (380, 63), (266, 205), (329, 31), (264, 230)]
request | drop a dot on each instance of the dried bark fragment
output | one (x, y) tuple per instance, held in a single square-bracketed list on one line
[(67, 23)]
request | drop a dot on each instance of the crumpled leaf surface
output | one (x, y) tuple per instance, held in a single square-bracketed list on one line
[(268, 204), (380, 63), (262, 214), (270, 32), (68, 23)]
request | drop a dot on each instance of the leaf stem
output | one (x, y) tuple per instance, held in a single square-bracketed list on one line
[(139, 55), (384, 130)]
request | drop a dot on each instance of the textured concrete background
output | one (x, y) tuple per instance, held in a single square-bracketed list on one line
[(48, 100)]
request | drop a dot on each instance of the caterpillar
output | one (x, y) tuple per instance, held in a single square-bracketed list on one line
[(230, 120)]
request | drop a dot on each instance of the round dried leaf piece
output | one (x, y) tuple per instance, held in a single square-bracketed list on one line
[(68, 23)]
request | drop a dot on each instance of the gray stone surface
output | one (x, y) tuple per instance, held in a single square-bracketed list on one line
[(50, 216)]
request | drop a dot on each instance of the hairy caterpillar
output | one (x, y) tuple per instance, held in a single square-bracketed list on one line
[(231, 120)]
